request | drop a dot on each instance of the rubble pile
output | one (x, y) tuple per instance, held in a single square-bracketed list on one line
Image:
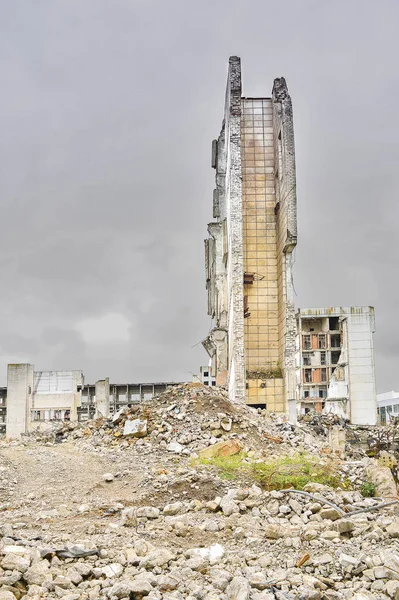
[(124, 509)]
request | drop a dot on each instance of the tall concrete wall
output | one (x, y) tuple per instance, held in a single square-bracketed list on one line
[(102, 398), (19, 390), (286, 212), (362, 389), (224, 248)]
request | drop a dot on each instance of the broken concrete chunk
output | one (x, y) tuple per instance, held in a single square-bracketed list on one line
[(238, 589), (175, 447), (228, 448), (135, 428)]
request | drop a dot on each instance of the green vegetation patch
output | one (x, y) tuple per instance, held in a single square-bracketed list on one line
[(285, 472)]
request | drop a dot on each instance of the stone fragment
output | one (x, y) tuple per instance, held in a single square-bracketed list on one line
[(329, 513), (135, 428), (108, 477), (238, 589), (344, 526), (228, 506), (112, 570), (221, 449), (345, 560), (393, 529), (383, 480), (156, 558), (174, 447), (15, 562), (172, 509), (38, 573), (148, 512)]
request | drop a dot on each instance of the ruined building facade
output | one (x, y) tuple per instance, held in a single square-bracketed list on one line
[(250, 245), (335, 362), (265, 354)]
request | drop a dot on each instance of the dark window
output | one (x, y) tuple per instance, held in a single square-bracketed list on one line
[(335, 357), (306, 394), (206, 373), (307, 342), (335, 341), (308, 375), (306, 360), (323, 374), (333, 323), (322, 358), (206, 383), (322, 341)]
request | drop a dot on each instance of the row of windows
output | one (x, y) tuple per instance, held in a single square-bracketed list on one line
[(318, 341)]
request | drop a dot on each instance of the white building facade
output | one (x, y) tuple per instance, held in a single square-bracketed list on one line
[(335, 362)]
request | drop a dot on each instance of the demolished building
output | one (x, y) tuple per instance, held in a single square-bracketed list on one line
[(248, 262), (250, 244), (33, 399)]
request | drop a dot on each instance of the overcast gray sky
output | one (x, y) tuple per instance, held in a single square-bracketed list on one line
[(107, 113)]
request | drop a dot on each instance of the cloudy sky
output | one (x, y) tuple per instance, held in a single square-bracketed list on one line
[(107, 112)]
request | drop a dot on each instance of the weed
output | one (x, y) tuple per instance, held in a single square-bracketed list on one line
[(295, 471), (368, 489), (227, 465)]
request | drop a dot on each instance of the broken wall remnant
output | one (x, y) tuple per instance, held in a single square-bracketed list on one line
[(249, 249), (36, 397), (102, 398)]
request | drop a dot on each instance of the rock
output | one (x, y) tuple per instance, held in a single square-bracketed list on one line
[(38, 573), (172, 509), (108, 477), (258, 581), (330, 513), (392, 589), (382, 479), (238, 589), (135, 428), (393, 529), (344, 526), (140, 585), (221, 449), (213, 553), (325, 559), (156, 558), (15, 562), (226, 424), (148, 512), (228, 506), (175, 447), (6, 595), (112, 570), (345, 560)]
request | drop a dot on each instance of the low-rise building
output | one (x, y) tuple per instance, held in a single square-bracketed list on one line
[(387, 406), (33, 399)]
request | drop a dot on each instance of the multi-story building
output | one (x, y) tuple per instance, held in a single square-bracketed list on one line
[(335, 362), (249, 249)]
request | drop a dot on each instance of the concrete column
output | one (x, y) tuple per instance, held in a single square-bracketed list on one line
[(19, 393), (102, 398)]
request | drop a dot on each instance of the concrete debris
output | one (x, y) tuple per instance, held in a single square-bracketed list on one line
[(87, 513)]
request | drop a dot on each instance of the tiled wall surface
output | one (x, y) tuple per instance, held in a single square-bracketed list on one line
[(261, 328)]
